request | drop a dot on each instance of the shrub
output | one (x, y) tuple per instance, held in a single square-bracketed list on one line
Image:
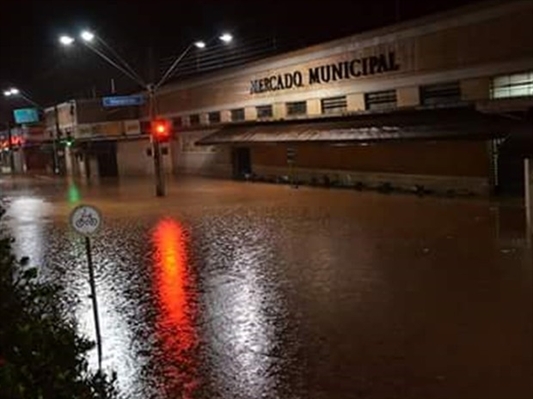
[(42, 356)]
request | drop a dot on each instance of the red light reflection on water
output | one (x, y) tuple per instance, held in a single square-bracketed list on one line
[(176, 298)]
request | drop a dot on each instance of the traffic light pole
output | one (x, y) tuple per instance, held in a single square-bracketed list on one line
[(156, 150)]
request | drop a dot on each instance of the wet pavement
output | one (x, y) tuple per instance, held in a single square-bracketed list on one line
[(246, 291)]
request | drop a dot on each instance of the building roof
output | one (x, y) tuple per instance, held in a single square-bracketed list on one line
[(427, 124)]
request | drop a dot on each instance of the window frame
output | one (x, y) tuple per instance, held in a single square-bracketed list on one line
[(291, 107)]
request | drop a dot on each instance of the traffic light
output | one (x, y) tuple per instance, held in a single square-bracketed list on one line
[(161, 130), (67, 141)]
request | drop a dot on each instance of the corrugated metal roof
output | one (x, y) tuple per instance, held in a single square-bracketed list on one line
[(403, 125)]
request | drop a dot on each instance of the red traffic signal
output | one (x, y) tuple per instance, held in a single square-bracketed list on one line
[(160, 130)]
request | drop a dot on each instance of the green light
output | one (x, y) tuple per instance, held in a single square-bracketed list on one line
[(73, 194)]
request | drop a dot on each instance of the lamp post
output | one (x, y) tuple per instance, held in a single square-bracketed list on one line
[(14, 92), (91, 41)]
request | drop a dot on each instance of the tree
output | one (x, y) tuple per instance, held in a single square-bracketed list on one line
[(42, 356)]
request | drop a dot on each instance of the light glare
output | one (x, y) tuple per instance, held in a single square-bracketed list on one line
[(226, 37), (200, 44), (66, 40), (87, 36)]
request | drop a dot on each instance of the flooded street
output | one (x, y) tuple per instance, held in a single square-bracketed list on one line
[(245, 291)]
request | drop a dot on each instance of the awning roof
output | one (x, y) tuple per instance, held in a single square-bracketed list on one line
[(464, 123)]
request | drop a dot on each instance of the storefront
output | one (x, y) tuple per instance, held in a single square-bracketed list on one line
[(412, 104)]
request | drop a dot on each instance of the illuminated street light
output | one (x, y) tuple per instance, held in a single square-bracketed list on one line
[(226, 38), (200, 44), (11, 92), (66, 40), (87, 36)]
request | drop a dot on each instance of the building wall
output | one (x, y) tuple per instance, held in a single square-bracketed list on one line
[(456, 47), (441, 158), (189, 158), (133, 160), (437, 165)]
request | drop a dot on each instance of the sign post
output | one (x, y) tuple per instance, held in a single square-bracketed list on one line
[(86, 221)]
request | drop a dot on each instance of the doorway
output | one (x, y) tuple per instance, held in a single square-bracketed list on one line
[(242, 162), (106, 156)]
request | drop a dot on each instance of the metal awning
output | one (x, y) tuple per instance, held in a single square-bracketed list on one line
[(435, 124)]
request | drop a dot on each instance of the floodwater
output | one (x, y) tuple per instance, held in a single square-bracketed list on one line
[(246, 291)]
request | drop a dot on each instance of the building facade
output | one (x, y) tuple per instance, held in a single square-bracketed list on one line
[(443, 102)]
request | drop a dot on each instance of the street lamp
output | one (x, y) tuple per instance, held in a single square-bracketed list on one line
[(11, 92), (66, 40), (226, 37), (89, 38)]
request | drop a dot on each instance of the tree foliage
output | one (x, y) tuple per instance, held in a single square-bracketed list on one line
[(41, 354)]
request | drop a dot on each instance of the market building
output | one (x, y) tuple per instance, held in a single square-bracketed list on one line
[(444, 102)]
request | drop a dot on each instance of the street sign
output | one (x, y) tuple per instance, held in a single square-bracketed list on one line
[(85, 220), (123, 101)]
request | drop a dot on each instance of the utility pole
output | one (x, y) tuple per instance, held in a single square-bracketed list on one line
[(10, 148), (156, 148), (54, 140)]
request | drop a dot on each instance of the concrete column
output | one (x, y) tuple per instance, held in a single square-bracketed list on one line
[(314, 107), (250, 113), (279, 110), (68, 162), (475, 89), (225, 116), (355, 102), (408, 96)]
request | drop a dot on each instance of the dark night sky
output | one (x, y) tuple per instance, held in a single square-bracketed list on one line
[(32, 60)]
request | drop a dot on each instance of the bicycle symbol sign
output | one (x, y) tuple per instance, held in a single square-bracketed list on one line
[(86, 220)]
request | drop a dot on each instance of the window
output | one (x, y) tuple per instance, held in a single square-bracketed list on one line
[(334, 105), (237, 114), (380, 100), (177, 122), (515, 85), (264, 111), (194, 119), (214, 117), (297, 108), (442, 93)]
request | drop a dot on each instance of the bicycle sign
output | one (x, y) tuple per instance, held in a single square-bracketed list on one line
[(85, 220)]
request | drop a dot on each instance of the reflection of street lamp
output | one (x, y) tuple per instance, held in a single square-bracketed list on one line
[(89, 39)]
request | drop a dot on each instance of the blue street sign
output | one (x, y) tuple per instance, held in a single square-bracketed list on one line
[(123, 101)]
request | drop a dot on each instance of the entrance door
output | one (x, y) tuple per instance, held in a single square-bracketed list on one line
[(242, 162), (106, 154), (511, 167)]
